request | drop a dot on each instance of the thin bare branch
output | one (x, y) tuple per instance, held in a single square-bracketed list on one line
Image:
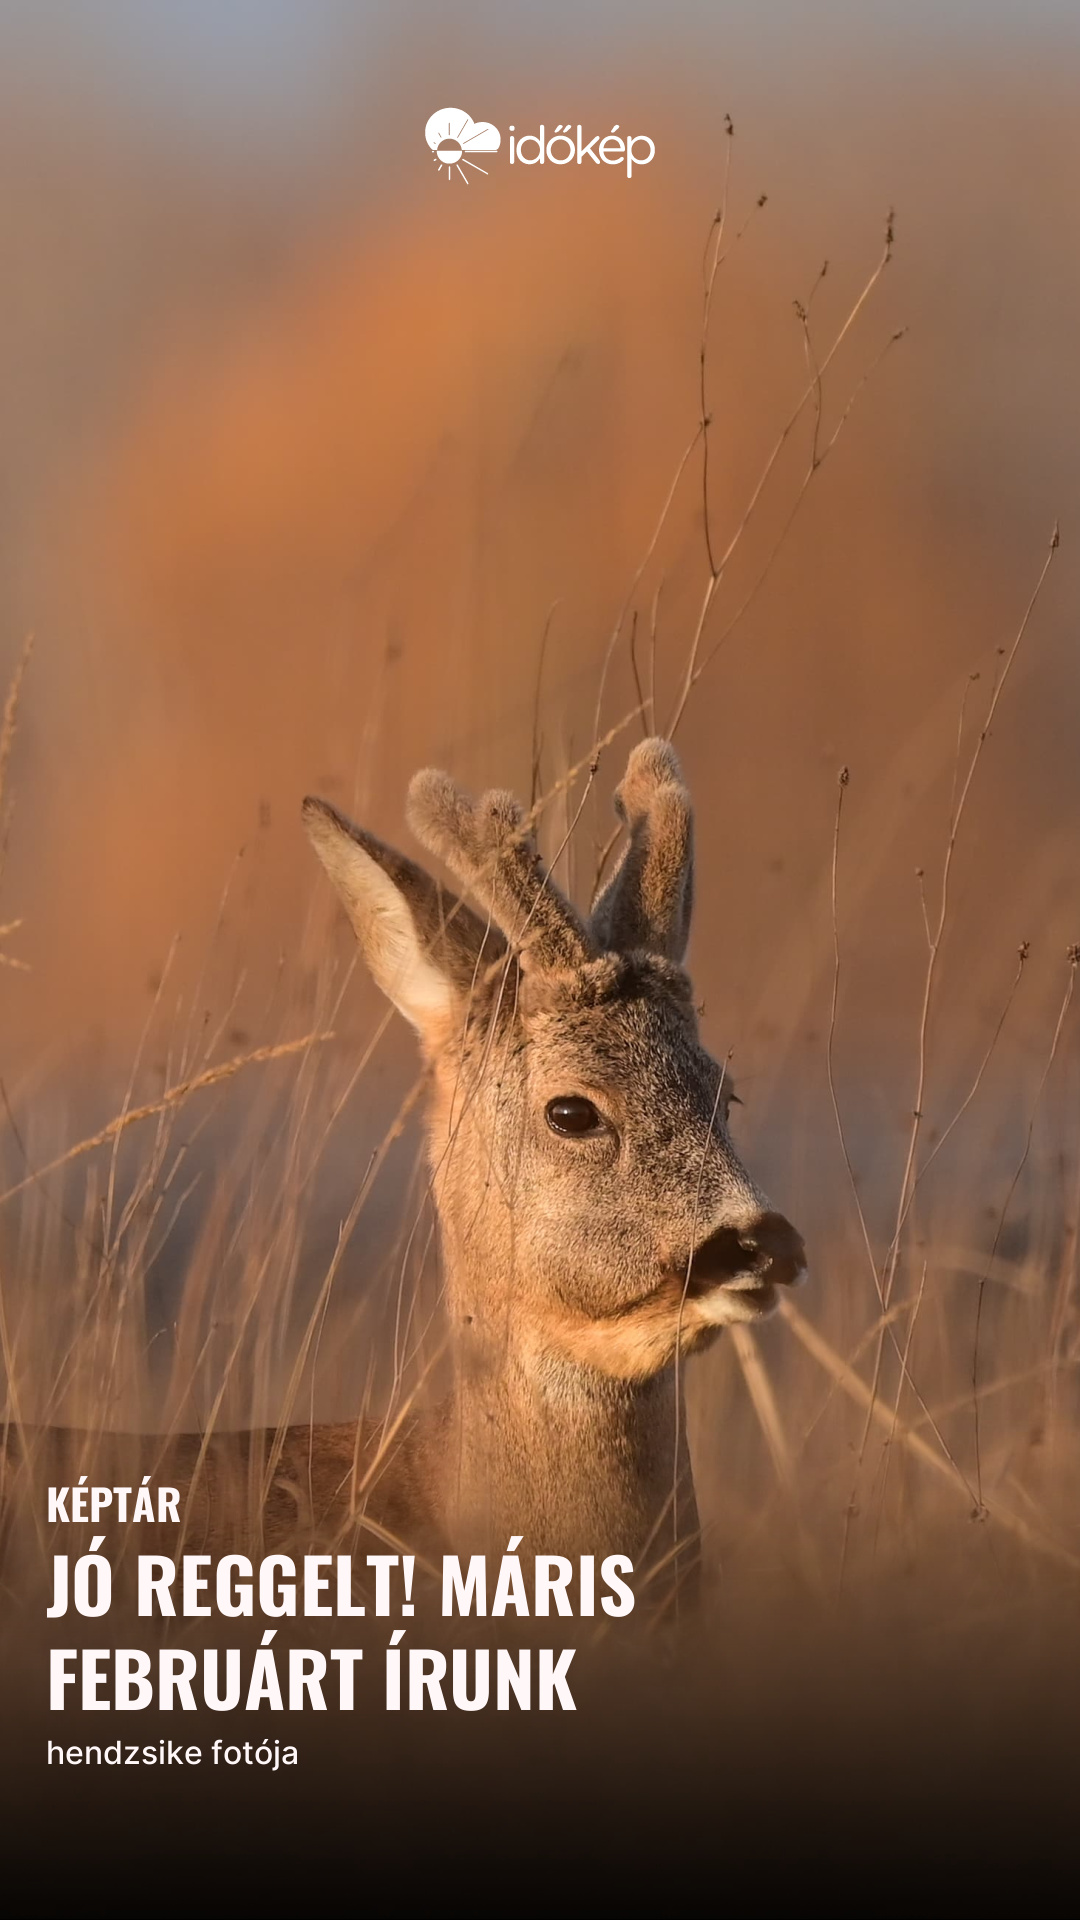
[(198, 1083)]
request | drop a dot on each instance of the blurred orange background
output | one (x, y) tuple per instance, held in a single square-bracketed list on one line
[(305, 446), (319, 466)]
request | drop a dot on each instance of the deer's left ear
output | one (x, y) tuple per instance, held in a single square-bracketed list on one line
[(422, 945)]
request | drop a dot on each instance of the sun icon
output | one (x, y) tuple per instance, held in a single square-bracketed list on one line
[(453, 136)]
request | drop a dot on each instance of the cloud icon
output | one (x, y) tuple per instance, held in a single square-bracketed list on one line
[(454, 137)]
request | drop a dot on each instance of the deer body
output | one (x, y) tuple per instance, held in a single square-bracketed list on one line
[(597, 1224)]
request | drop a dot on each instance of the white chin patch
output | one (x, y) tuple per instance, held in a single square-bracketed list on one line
[(734, 1305)]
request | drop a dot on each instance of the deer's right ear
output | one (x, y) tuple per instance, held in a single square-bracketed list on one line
[(424, 947)]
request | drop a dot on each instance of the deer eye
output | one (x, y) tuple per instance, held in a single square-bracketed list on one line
[(571, 1113)]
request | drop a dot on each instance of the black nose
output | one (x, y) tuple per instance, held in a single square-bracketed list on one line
[(768, 1248)]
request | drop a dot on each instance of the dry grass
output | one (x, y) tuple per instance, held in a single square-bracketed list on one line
[(254, 1244)]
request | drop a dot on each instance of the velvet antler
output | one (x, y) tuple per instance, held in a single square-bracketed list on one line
[(648, 900), (489, 848)]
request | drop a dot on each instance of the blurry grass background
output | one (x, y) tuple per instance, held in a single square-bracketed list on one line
[(316, 471)]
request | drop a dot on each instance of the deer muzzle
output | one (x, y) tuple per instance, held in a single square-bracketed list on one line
[(766, 1252)]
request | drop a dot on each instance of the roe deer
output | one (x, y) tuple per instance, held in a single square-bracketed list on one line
[(596, 1221)]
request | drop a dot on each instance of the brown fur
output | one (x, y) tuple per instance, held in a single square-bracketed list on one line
[(578, 1270)]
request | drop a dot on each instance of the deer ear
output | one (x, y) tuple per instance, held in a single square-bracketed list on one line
[(422, 945)]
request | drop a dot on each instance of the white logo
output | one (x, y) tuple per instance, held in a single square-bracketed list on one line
[(453, 136)]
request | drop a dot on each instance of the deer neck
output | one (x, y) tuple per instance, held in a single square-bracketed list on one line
[(535, 1444)]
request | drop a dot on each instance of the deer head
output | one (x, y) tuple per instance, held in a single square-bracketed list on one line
[(593, 1207)]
